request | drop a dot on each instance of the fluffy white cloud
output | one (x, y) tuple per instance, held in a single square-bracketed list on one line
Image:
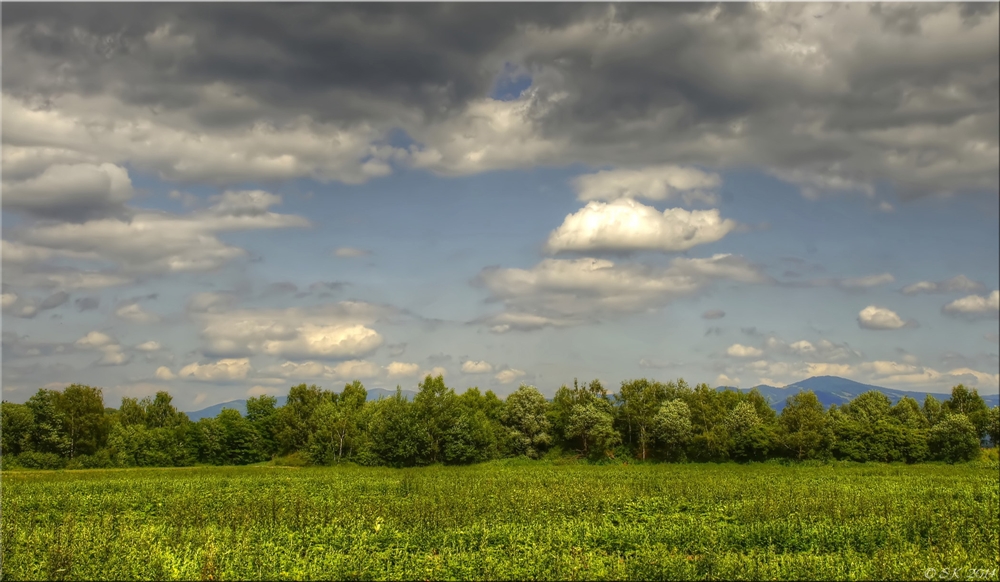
[(742, 351), (509, 375), (164, 373), (335, 331), (134, 313), (111, 350), (955, 284), (975, 306), (481, 367), (560, 292), (150, 346), (95, 339), (880, 318), (626, 225), (220, 371), (402, 370), (652, 183)]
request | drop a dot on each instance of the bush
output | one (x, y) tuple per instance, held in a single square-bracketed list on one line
[(954, 439), (33, 460), (295, 459)]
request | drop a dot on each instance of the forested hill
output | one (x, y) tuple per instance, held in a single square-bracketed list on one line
[(829, 390)]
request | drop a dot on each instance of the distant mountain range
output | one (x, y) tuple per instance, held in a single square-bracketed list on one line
[(828, 389), (835, 390)]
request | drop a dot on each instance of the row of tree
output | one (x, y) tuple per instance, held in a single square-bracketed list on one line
[(644, 420)]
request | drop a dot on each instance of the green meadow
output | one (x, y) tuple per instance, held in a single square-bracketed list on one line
[(511, 519)]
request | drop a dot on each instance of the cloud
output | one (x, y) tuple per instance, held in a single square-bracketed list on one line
[(150, 346), (402, 370), (724, 380), (880, 318), (8, 300), (713, 314), (87, 303), (626, 225), (111, 350), (349, 370), (561, 293), (742, 351), (652, 183), (211, 302), (224, 370), (197, 93), (53, 301), (164, 373), (975, 306), (134, 313), (865, 282), (159, 242), (955, 284), (95, 339), (70, 191), (509, 375), (332, 331), (349, 252), (471, 367)]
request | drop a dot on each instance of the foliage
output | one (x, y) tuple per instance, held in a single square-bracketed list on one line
[(645, 421), (508, 520)]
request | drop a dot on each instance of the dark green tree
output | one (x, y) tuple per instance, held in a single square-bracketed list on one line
[(804, 430)]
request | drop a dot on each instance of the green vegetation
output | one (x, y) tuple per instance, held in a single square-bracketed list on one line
[(644, 421), (504, 520)]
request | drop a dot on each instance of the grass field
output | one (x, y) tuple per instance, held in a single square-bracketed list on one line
[(515, 520)]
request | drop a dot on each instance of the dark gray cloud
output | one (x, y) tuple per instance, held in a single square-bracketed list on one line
[(87, 303), (829, 97), (53, 301)]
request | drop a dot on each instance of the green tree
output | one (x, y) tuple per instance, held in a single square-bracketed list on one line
[(295, 419), (398, 437), (971, 404), (49, 435), (993, 427), (932, 410), (436, 408), (239, 439), (749, 438), (954, 439), (16, 427), (83, 420), (593, 423), (805, 432), (672, 425), (525, 417), (262, 413), (638, 402)]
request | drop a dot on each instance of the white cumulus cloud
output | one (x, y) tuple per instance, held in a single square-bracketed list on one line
[(471, 367), (975, 306), (509, 375), (881, 318), (626, 225)]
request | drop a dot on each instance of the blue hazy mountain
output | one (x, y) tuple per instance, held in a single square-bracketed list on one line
[(241, 405), (835, 390)]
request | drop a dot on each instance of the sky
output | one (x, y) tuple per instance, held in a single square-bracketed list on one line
[(225, 200)]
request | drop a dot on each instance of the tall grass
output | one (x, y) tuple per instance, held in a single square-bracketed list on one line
[(503, 521)]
